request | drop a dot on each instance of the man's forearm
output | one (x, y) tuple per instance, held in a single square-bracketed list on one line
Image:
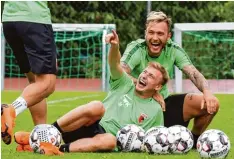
[(128, 71), (114, 56), (196, 77), (114, 62)]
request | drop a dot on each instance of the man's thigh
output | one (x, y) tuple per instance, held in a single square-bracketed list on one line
[(192, 106), (39, 46), (17, 45), (174, 111), (83, 132)]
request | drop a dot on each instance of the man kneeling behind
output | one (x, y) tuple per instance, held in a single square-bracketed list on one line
[(92, 127)]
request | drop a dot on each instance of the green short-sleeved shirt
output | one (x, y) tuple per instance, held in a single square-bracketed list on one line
[(26, 11), (124, 107), (137, 58)]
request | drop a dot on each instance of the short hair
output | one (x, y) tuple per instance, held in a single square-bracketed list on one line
[(158, 66), (158, 17)]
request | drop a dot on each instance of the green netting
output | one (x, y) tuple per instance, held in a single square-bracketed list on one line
[(212, 52), (79, 55)]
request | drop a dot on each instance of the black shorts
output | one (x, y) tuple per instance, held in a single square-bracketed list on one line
[(83, 132), (174, 111), (33, 46)]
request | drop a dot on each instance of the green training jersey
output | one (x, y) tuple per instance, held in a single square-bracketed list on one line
[(26, 11), (124, 107), (137, 57)]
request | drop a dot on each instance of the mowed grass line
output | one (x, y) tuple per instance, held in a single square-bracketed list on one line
[(224, 121)]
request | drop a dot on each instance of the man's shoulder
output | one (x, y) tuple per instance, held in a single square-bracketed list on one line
[(135, 48), (138, 43), (171, 45), (124, 82)]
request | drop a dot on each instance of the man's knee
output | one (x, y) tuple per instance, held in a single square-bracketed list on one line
[(96, 108), (48, 83), (111, 141), (217, 107), (106, 143)]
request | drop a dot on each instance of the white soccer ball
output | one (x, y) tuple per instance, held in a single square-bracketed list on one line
[(156, 140), (44, 133), (213, 144), (181, 139), (130, 138)]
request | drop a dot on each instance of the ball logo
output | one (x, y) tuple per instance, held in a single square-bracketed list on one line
[(142, 117), (218, 154), (52, 140), (129, 141)]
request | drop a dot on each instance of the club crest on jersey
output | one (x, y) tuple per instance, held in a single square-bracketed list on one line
[(142, 117), (125, 101)]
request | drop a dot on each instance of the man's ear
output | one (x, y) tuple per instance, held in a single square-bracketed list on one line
[(145, 33), (169, 36), (158, 87)]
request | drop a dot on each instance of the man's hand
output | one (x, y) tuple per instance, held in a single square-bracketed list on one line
[(210, 101), (159, 98), (114, 55), (112, 38), (49, 149)]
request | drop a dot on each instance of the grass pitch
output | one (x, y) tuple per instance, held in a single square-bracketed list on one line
[(61, 102)]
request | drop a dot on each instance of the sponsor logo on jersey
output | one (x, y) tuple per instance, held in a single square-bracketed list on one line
[(142, 117)]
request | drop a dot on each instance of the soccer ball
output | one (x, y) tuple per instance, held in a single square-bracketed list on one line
[(156, 140), (213, 144), (130, 138), (181, 139), (44, 133)]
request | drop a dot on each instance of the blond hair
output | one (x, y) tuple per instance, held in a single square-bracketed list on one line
[(158, 17), (158, 66)]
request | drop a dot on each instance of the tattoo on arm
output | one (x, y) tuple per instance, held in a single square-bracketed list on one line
[(190, 96), (127, 69), (196, 77)]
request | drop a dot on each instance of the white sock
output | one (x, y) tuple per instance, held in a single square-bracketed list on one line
[(20, 105)]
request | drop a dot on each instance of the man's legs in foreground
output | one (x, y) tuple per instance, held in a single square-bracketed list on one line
[(32, 94), (35, 50), (39, 116), (192, 110), (83, 117), (79, 130), (39, 110)]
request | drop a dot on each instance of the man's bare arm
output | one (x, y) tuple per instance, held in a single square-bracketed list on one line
[(196, 77), (127, 69), (114, 55), (209, 101)]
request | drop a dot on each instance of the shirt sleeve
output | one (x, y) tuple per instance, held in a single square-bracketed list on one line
[(181, 58), (123, 81), (132, 55)]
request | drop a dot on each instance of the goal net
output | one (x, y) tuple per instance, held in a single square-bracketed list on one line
[(82, 59), (210, 47)]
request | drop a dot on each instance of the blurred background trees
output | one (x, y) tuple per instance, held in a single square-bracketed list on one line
[(130, 18)]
